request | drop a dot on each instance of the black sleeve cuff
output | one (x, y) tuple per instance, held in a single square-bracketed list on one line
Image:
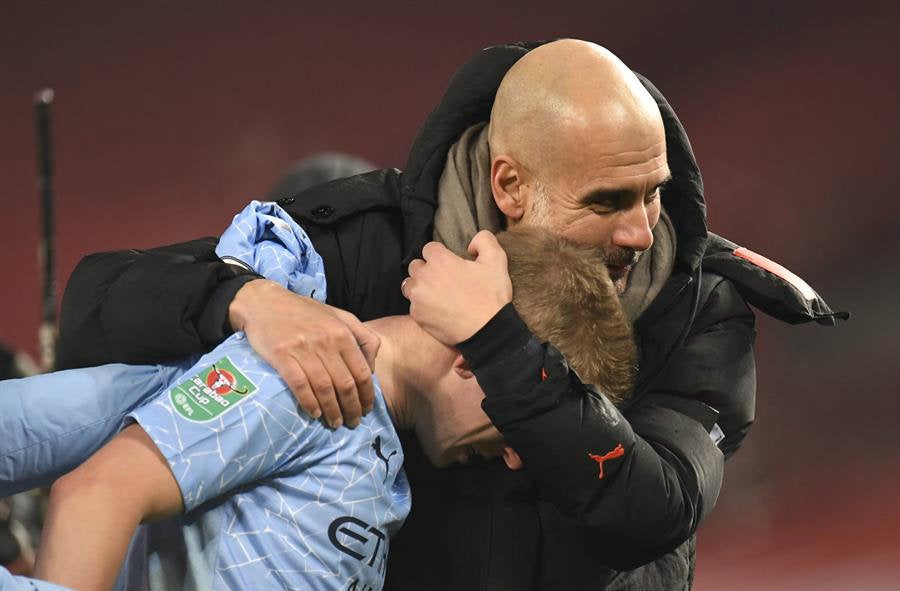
[(505, 357), (498, 339), (213, 326)]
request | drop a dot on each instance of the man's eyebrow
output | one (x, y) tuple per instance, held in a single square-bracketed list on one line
[(664, 182), (614, 196)]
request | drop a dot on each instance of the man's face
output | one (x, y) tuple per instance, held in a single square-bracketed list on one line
[(604, 193), (453, 428)]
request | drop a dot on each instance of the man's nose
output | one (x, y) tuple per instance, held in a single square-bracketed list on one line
[(634, 230)]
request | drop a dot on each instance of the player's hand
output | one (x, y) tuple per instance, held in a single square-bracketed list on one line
[(451, 297), (325, 355)]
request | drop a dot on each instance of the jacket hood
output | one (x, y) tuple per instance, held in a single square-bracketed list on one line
[(767, 285), (469, 99)]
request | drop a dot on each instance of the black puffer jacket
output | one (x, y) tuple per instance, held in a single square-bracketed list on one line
[(555, 525)]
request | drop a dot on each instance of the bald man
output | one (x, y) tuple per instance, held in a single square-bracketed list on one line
[(560, 135)]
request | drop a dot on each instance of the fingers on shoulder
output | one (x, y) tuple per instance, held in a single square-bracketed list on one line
[(295, 378)]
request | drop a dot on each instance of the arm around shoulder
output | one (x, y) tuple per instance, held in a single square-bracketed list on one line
[(146, 306), (643, 478)]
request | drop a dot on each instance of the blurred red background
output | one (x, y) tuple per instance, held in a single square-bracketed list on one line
[(170, 116)]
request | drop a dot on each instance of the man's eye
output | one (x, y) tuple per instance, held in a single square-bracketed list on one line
[(652, 197), (601, 209)]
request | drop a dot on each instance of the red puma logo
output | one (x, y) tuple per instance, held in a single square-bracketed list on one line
[(616, 453)]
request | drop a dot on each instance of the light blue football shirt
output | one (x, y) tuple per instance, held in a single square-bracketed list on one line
[(10, 582), (274, 499)]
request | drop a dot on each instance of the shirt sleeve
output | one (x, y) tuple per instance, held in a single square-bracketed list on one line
[(9, 582), (51, 423), (226, 422)]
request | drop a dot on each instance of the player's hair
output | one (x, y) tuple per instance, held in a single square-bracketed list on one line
[(564, 294)]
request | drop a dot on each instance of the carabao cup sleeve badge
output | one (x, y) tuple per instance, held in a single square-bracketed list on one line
[(211, 392)]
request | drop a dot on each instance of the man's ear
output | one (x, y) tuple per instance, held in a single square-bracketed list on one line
[(506, 185), (461, 367), (512, 459)]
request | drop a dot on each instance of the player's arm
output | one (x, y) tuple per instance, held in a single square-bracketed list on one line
[(51, 423), (661, 469), (95, 510)]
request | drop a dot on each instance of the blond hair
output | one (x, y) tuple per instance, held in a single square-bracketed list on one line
[(564, 294)]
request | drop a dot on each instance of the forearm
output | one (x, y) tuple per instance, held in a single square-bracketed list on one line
[(660, 470), (95, 510), (86, 535), (146, 306), (642, 497)]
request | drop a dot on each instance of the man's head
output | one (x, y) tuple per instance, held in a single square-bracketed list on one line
[(563, 293), (578, 146)]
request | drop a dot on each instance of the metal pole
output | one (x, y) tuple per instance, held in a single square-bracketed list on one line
[(43, 100)]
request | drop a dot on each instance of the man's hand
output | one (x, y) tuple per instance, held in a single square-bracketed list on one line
[(452, 298), (325, 355)]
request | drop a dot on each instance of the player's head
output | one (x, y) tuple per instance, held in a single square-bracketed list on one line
[(578, 145), (563, 293)]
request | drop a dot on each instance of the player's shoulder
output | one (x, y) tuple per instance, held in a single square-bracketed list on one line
[(230, 375), (236, 351)]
